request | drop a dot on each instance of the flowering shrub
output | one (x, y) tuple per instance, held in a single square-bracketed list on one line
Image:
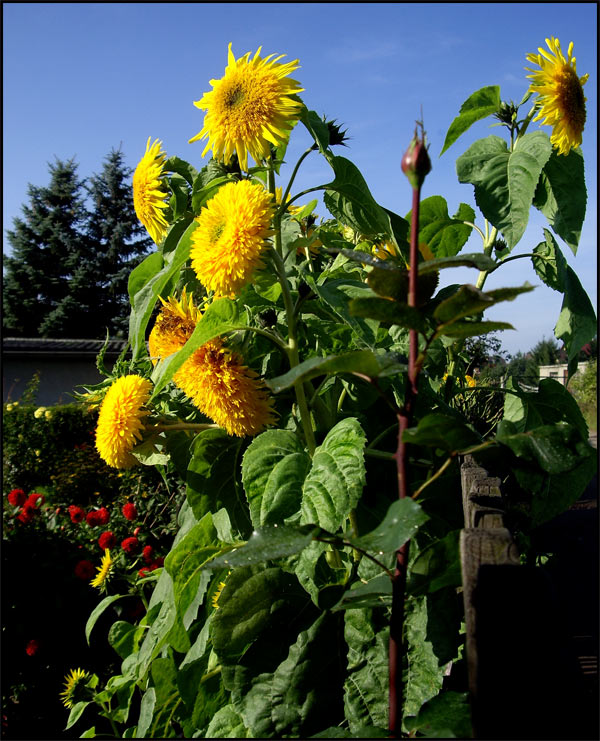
[(307, 382)]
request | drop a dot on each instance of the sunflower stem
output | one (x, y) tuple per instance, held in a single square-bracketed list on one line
[(488, 246), (181, 426), (283, 205)]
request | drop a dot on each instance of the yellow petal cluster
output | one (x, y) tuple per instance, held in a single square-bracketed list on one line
[(213, 377), (560, 94), (249, 108), (120, 421), (148, 194), (104, 570), (230, 237), (73, 680)]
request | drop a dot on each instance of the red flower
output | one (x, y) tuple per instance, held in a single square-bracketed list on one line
[(157, 563), (77, 514), (33, 499), (129, 511), (130, 545), (27, 514), (97, 517), (85, 570), (17, 497), (107, 540), (32, 647), (148, 553), (144, 571)]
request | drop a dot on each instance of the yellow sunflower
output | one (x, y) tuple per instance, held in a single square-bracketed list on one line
[(173, 326), (73, 682), (225, 390), (148, 195), (120, 421), (230, 237), (249, 108), (104, 571), (560, 91)]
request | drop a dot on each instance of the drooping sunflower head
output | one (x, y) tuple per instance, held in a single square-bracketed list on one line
[(230, 237), (225, 390), (148, 194), (560, 94), (75, 681), (104, 571), (249, 108), (120, 421), (173, 326)]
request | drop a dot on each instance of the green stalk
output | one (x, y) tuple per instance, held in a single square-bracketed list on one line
[(283, 205)]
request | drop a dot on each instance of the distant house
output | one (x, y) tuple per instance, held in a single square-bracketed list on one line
[(62, 365), (559, 371)]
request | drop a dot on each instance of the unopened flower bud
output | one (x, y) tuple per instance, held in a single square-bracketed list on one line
[(416, 163)]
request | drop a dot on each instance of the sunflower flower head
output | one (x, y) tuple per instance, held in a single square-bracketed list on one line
[(173, 326), (148, 194), (249, 108), (75, 682), (225, 390), (120, 421), (230, 237), (104, 571), (560, 94)]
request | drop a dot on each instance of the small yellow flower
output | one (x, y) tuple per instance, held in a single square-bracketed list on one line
[(37, 453), (120, 421), (217, 594), (39, 412), (249, 108), (148, 194), (228, 243), (9, 407), (560, 94), (73, 682), (48, 414), (104, 571)]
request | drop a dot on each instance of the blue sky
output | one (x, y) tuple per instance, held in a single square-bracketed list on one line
[(82, 78)]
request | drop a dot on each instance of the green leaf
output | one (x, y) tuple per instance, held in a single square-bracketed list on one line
[(145, 298), (442, 431), (202, 193), (222, 316), (181, 167), (254, 602), (121, 637), (448, 715), (471, 329), (437, 566), (226, 723), (337, 476), (555, 403), (212, 480), (444, 236), (185, 561), (179, 198), (98, 610), (564, 490), (146, 712), (143, 272), (305, 690), (273, 471), (349, 200), (375, 593), (505, 182), (401, 522), (481, 104), (577, 323), (386, 310), (555, 448), (75, 714), (91, 733), (336, 294), (317, 128), (366, 686), (561, 195), (266, 543), (550, 264), (467, 260), (469, 300), (364, 362), (423, 676)]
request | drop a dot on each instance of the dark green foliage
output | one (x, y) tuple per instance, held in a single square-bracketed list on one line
[(67, 274)]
